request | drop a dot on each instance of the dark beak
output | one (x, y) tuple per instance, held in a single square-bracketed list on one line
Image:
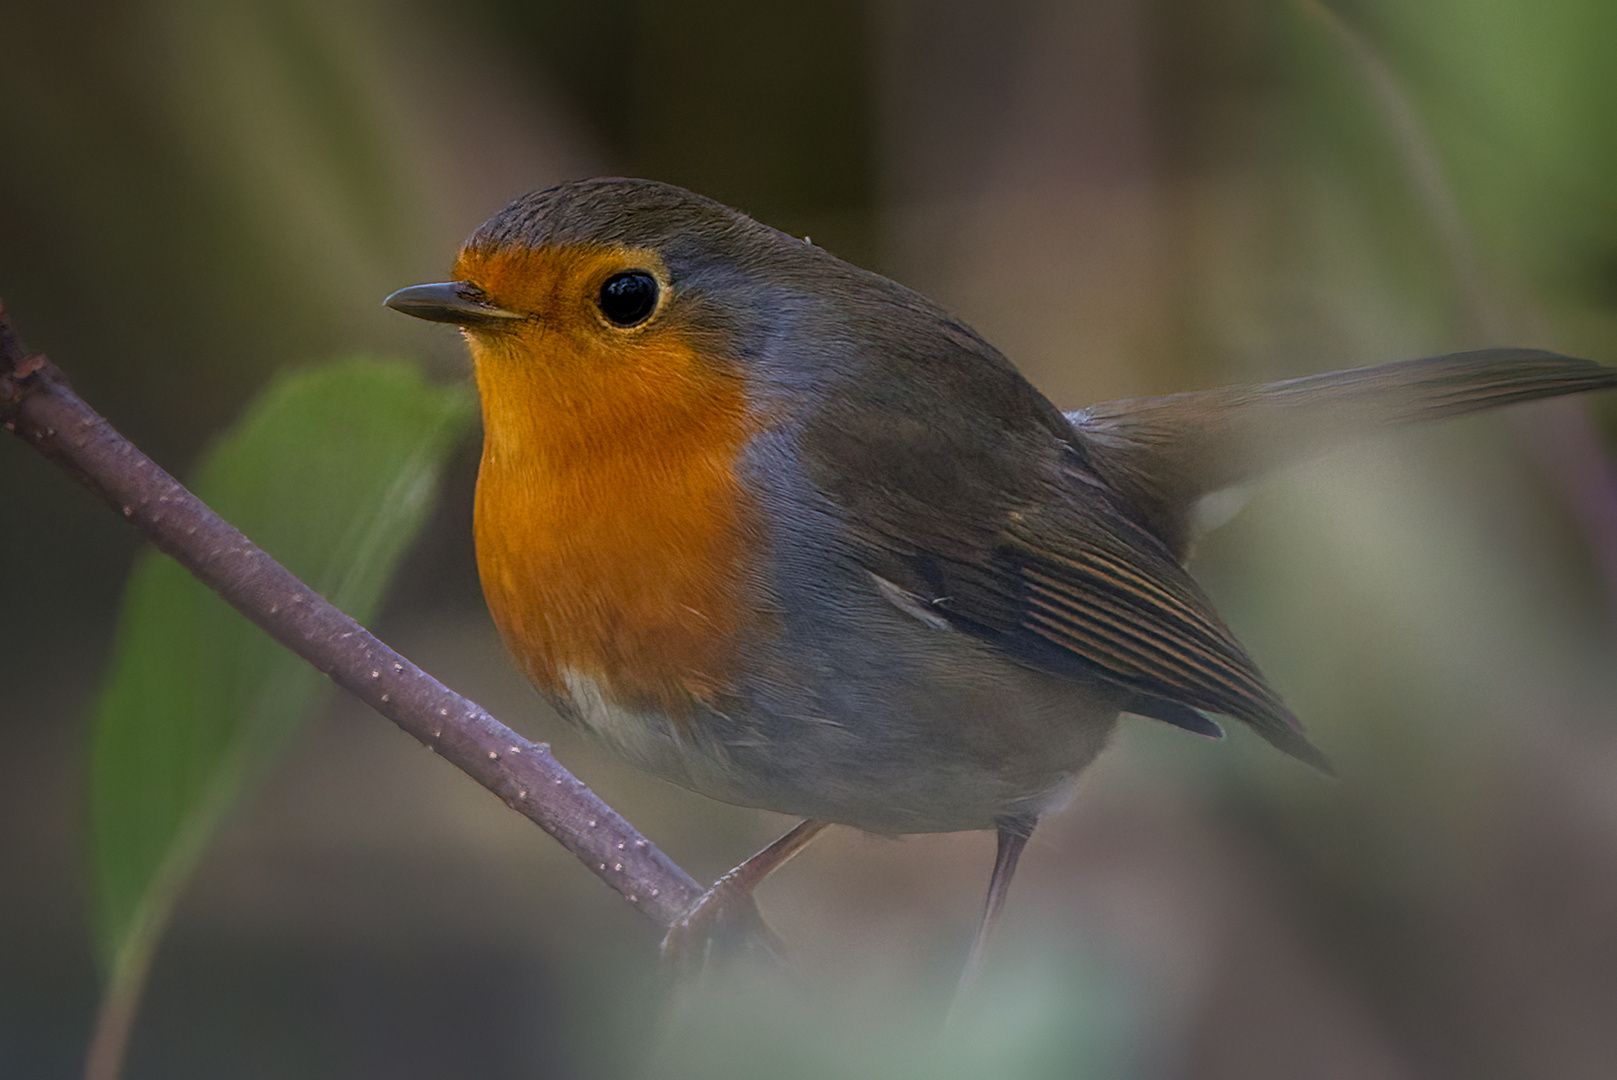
[(457, 302)]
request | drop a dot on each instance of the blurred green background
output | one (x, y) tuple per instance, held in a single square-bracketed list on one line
[(1126, 196)]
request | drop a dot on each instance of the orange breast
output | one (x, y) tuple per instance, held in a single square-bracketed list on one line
[(612, 532)]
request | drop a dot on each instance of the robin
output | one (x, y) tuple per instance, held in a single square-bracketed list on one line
[(788, 534)]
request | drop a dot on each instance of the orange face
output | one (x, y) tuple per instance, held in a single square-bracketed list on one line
[(612, 533)]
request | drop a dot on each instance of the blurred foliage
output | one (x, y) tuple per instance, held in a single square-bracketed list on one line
[(1126, 196), (333, 470)]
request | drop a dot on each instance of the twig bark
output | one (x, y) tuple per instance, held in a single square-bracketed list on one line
[(38, 406)]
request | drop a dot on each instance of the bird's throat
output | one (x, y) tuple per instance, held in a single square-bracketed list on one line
[(612, 533)]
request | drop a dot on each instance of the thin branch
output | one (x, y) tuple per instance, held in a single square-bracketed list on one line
[(38, 406), (1561, 437), (1427, 178)]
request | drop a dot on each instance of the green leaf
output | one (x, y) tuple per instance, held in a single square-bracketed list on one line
[(332, 471)]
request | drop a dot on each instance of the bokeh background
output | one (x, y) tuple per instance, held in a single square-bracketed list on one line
[(1127, 196)]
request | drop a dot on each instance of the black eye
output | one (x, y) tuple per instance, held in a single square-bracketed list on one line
[(628, 298)]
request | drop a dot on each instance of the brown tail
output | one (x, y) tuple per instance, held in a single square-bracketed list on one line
[(1166, 453)]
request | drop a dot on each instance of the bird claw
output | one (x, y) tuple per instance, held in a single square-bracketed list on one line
[(722, 919), (728, 911)]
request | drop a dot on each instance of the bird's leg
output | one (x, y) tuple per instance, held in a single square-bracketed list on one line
[(1013, 836), (687, 941)]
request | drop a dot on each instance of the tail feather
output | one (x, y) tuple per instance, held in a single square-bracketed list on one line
[(1442, 386), (1167, 453)]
